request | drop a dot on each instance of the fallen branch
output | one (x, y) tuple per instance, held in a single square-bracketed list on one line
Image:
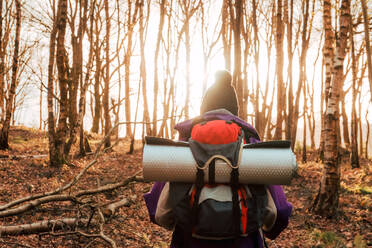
[(109, 187), (105, 237), (100, 235), (41, 226), (73, 197), (67, 186), (111, 208), (35, 203)]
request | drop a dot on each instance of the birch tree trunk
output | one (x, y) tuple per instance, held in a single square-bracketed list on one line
[(326, 202), (328, 55), (4, 133)]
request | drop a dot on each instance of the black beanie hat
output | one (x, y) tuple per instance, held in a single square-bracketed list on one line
[(223, 77), (221, 94)]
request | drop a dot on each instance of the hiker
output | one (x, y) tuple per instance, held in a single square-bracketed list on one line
[(219, 104)]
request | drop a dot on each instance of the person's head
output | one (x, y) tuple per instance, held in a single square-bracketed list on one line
[(221, 95), (223, 77)]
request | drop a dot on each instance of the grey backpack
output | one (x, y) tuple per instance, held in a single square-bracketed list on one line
[(216, 211)]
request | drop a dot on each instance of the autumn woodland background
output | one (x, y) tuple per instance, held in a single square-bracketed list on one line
[(82, 82)]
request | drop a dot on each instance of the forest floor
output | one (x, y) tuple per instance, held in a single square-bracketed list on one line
[(21, 176)]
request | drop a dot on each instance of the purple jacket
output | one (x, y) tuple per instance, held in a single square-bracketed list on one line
[(284, 208)]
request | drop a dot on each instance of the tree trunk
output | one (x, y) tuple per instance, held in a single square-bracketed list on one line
[(304, 158), (187, 48), (77, 108), (106, 90), (311, 119), (311, 116), (116, 106), (132, 137), (168, 95), (53, 152), (225, 34), (237, 80), (2, 71), (290, 67), (256, 45), (246, 33), (328, 55), (41, 107), (83, 144), (279, 70), (4, 142), (267, 107), (326, 202), (97, 81), (359, 119), (188, 9), (368, 46), (345, 121), (127, 59), (312, 124), (354, 127), (367, 134), (143, 76), (156, 76), (73, 86), (302, 76), (57, 157)]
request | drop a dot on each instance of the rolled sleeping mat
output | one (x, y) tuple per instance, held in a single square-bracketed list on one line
[(262, 163)]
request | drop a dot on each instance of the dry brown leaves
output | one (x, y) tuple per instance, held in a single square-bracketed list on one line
[(130, 226)]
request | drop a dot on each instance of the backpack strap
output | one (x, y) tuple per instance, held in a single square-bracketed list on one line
[(212, 172), (199, 183), (234, 183)]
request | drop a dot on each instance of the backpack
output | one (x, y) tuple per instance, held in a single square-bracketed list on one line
[(216, 211)]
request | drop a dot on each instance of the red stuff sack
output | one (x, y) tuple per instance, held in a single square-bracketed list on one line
[(216, 132)]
